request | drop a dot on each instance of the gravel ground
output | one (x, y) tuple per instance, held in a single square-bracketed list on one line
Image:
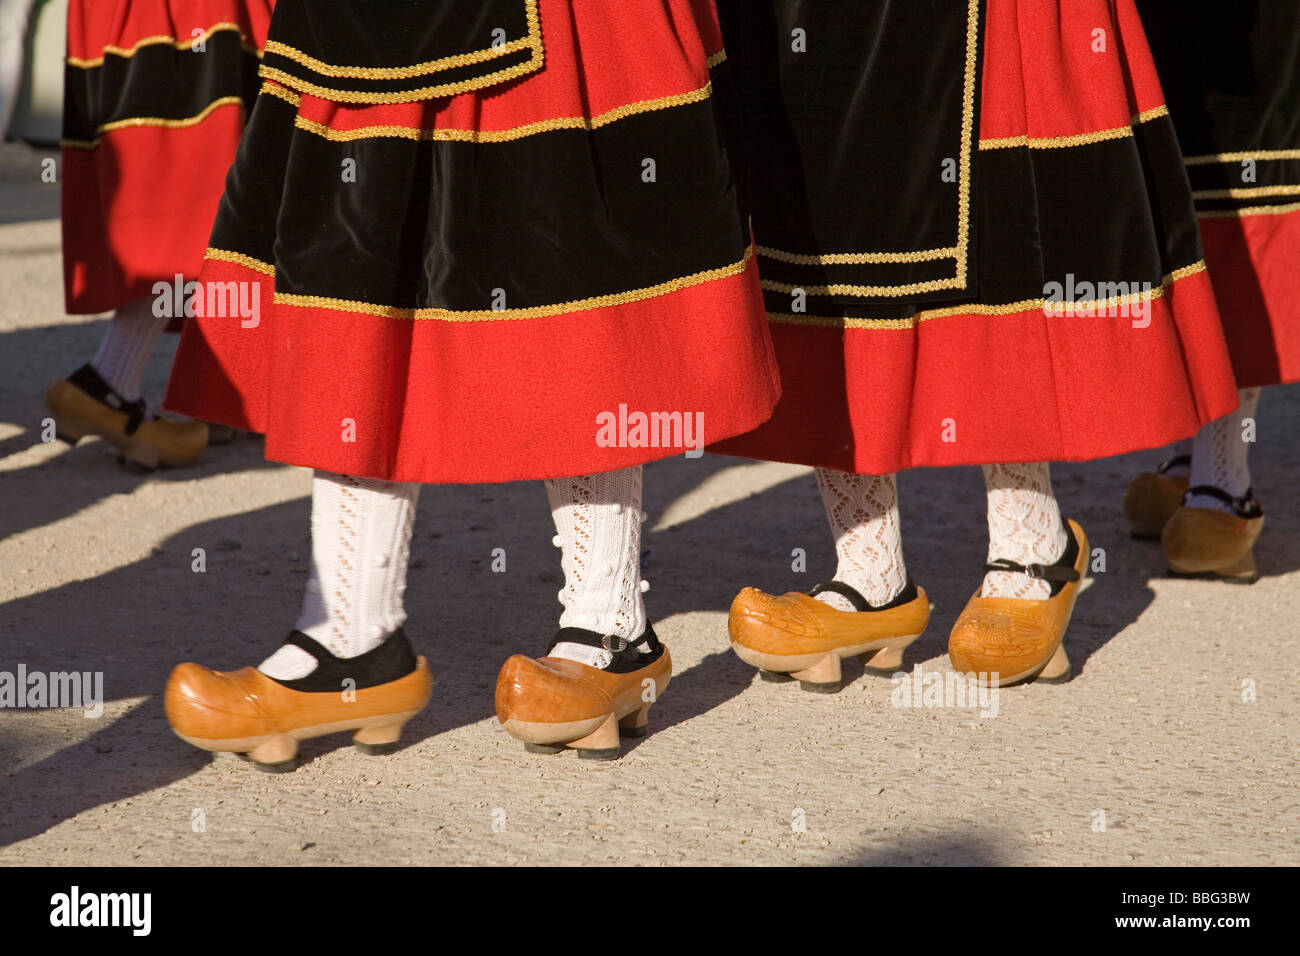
[(1153, 732)]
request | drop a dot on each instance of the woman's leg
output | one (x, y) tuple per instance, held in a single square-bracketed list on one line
[(103, 396), (598, 519), (124, 352), (1220, 455), (605, 667), (1013, 629), (870, 609), (1215, 530), (1025, 527), (360, 550), (862, 511), (347, 665)]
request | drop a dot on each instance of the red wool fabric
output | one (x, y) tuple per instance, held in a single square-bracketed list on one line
[(506, 401)]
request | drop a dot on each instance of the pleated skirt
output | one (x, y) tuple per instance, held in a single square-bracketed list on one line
[(1232, 75), (482, 256), (975, 234), (155, 97)]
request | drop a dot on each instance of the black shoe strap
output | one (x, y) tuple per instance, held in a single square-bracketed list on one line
[(92, 383), (1178, 461), (1244, 507), (1058, 574), (391, 660), (905, 596), (627, 655), (1047, 572)]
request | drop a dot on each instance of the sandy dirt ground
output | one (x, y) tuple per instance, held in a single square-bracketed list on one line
[(1156, 734)]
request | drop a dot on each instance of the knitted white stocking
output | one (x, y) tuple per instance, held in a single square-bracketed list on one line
[(360, 547), (127, 344), (598, 518)]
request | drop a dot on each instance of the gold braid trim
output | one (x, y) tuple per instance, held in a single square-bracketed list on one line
[(1248, 211), (957, 252), (1080, 139), (531, 39), (1250, 193), (503, 135), (1010, 308), (715, 58), (505, 315), (397, 72), (428, 92), (289, 96), (866, 291), (239, 259), (1262, 155), (109, 50), (855, 258), (967, 134), (1147, 116), (139, 121)]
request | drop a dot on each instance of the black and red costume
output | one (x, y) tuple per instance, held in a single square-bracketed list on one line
[(930, 183), (475, 229)]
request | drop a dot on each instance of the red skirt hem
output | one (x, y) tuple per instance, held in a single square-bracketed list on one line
[(486, 401), (980, 389)]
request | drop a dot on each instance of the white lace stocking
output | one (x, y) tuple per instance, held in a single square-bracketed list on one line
[(1025, 526), (863, 514), (1220, 455)]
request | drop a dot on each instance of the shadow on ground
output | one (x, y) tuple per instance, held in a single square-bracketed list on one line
[(468, 619), (26, 194), (940, 850)]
